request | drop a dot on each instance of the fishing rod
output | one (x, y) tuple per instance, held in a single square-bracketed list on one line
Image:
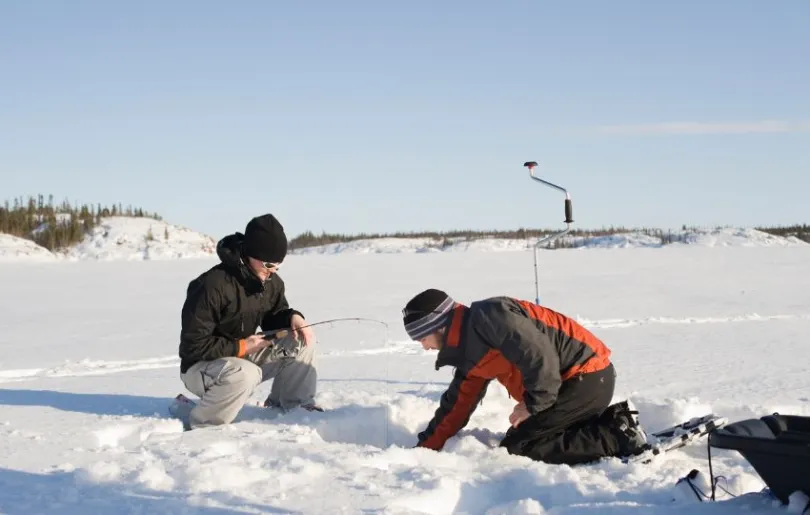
[(568, 221), (277, 334)]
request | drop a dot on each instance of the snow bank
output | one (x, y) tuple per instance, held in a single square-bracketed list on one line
[(136, 238), (739, 237), (13, 248), (615, 241), (721, 237), (375, 246), (119, 238)]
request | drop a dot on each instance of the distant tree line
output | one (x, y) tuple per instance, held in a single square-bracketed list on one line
[(574, 238), (58, 226)]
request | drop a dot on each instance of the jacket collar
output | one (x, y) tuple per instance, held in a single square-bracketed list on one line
[(452, 350), (229, 251)]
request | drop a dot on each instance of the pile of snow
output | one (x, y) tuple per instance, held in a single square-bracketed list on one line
[(488, 245), (431, 245), (376, 246), (13, 248), (615, 241), (739, 237), (138, 238), (720, 237)]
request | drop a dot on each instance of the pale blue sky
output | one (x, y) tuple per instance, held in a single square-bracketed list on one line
[(383, 116)]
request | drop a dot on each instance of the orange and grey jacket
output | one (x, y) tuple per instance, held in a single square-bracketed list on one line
[(528, 348)]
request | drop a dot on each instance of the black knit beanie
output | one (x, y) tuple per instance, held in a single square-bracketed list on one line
[(427, 313), (265, 239)]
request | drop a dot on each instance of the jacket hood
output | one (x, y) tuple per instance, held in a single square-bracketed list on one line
[(229, 251)]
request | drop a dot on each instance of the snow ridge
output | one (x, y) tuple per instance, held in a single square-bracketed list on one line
[(138, 239), (118, 238), (13, 248), (722, 237)]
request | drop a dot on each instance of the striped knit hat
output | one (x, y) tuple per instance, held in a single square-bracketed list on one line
[(427, 313)]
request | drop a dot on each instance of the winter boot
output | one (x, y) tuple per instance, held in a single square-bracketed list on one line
[(180, 408), (309, 407), (622, 417)]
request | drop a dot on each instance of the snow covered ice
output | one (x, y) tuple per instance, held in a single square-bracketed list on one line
[(89, 364)]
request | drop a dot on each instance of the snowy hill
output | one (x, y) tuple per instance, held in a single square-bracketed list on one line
[(119, 238), (722, 237), (740, 238), (127, 238), (13, 248)]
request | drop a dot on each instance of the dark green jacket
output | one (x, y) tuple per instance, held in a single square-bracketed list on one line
[(226, 304)]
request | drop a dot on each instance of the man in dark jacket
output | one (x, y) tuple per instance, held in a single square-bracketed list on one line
[(559, 373), (222, 357)]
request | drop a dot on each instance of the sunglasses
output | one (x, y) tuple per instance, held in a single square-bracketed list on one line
[(271, 266)]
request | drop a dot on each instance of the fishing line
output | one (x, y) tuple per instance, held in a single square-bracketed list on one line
[(283, 332)]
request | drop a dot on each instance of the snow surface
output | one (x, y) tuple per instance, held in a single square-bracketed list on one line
[(88, 365)]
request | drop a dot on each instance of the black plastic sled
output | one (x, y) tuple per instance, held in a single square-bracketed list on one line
[(777, 446)]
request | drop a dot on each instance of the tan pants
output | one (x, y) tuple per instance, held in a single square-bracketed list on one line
[(225, 384)]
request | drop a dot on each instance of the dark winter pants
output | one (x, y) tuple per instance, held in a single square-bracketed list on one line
[(570, 431)]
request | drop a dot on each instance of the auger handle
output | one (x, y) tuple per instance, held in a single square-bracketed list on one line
[(569, 219)]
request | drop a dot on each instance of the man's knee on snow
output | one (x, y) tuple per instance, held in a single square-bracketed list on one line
[(227, 389)]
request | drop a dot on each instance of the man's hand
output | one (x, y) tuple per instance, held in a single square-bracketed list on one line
[(297, 324), (255, 343), (519, 414)]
